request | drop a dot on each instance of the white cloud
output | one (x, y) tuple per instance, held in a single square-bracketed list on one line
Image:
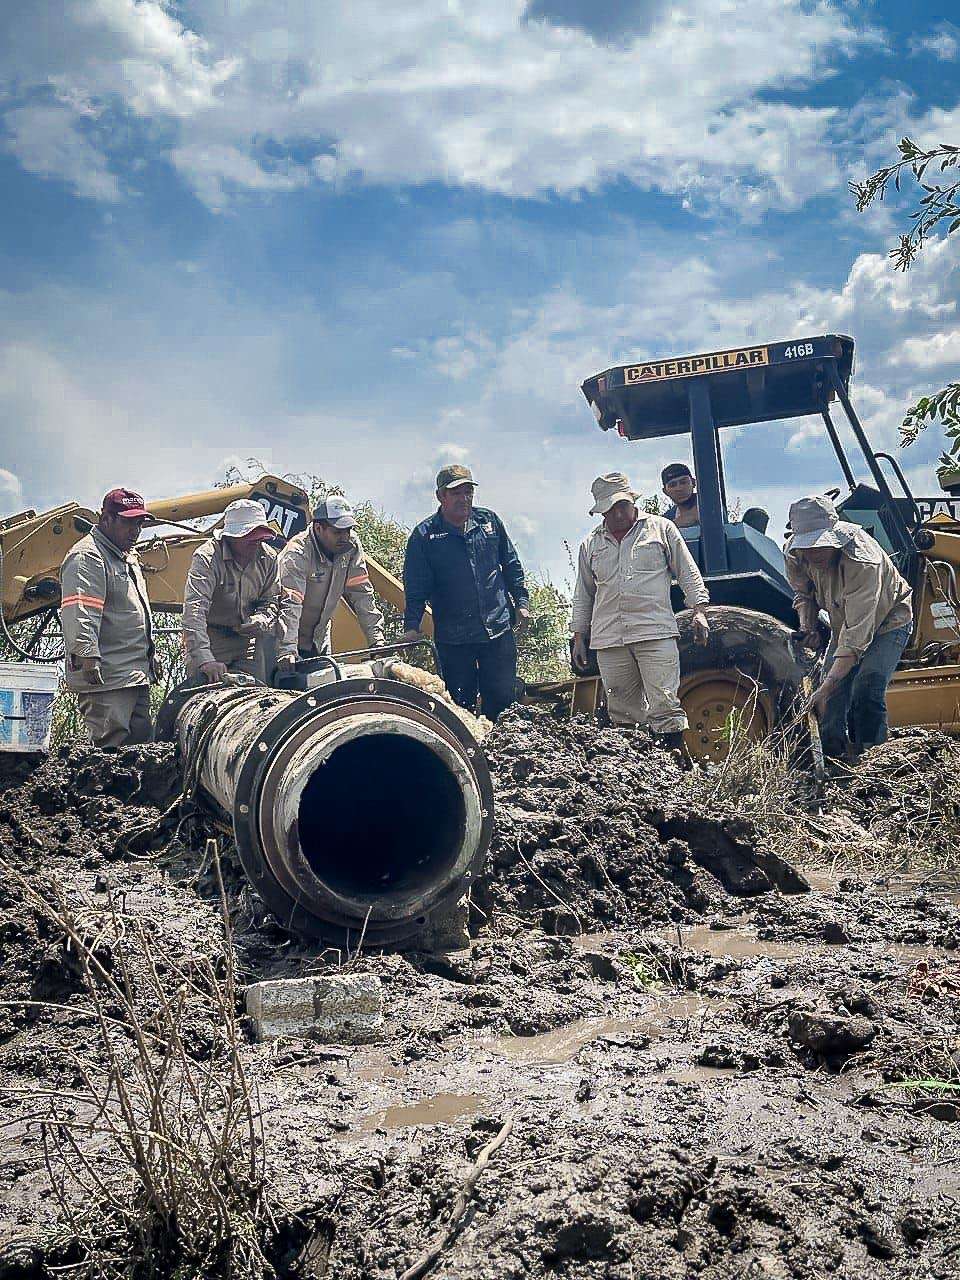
[(47, 140), (943, 43), (10, 486), (938, 351), (425, 91)]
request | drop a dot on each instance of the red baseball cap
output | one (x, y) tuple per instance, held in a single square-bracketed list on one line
[(126, 503)]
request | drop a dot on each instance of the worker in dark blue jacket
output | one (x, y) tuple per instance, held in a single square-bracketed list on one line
[(463, 563)]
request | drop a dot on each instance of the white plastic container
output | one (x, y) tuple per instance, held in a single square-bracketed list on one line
[(27, 691)]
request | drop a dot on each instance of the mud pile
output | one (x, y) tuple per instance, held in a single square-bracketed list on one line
[(902, 799), (719, 1080), (602, 826)]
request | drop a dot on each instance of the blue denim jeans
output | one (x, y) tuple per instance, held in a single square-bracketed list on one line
[(857, 712)]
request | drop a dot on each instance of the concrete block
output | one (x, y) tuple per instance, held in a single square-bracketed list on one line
[(342, 1008)]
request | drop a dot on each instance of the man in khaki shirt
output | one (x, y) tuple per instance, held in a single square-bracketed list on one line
[(318, 568), (622, 609), (834, 565), (107, 625), (231, 597)]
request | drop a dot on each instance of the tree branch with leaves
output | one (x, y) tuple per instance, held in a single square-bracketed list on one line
[(939, 203)]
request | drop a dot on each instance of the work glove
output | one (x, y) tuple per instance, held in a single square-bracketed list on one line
[(258, 624), (213, 672), (89, 669), (580, 654), (813, 640)]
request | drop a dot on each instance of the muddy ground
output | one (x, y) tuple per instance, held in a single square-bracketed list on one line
[(712, 1069)]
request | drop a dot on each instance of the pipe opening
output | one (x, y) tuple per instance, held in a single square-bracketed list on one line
[(382, 814)]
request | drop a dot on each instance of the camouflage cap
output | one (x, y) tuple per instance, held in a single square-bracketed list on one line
[(453, 477)]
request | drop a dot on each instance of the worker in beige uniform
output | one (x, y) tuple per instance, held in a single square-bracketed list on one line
[(318, 568), (622, 609), (837, 566), (231, 598), (107, 625)]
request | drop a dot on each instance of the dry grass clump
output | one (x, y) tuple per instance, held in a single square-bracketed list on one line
[(156, 1157), (896, 809)]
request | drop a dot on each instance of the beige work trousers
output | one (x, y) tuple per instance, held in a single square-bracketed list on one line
[(641, 682), (117, 717)]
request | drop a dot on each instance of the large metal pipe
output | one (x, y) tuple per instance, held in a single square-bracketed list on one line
[(364, 806)]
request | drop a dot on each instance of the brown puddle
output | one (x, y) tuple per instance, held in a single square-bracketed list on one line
[(551, 1048), (442, 1108), (739, 945)]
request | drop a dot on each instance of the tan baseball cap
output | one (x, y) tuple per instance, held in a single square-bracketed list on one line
[(453, 477), (608, 489)]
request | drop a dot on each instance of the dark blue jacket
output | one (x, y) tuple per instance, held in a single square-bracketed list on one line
[(469, 578)]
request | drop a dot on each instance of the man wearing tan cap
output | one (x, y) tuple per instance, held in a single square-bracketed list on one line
[(462, 562), (231, 597), (622, 609), (107, 625), (838, 566)]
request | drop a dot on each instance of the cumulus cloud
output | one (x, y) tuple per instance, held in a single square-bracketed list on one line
[(10, 486), (943, 43), (508, 97), (48, 140)]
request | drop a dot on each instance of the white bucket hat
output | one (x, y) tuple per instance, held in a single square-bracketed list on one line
[(608, 489), (245, 516), (814, 523)]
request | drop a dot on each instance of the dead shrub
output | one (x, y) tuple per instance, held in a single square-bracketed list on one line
[(156, 1157)]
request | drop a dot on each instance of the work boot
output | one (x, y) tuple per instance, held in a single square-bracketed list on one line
[(675, 743)]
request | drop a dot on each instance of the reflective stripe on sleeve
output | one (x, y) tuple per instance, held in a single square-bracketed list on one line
[(358, 581), (92, 602), (297, 595)]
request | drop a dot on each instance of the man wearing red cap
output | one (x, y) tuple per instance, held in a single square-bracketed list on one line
[(231, 597), (107, 625)]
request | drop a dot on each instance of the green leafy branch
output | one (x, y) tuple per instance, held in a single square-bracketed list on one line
[(937, 204)]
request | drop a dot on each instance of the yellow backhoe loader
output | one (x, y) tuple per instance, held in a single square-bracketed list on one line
[(751, 666)]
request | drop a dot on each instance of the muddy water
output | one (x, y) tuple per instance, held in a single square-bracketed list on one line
[(552, 1048), (442, 1108), (738, 944)]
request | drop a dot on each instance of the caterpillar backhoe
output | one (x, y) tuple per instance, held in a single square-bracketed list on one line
[(752, 666), (32, 547)]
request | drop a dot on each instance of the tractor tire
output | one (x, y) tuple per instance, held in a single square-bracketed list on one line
[(746, 672)]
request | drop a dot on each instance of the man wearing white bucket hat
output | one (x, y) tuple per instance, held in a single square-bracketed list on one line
[(839, 567), (107, 625), (318, 568), (231, 596), (622, 609)]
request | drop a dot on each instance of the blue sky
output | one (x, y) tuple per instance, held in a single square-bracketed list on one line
[(365, 243)]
